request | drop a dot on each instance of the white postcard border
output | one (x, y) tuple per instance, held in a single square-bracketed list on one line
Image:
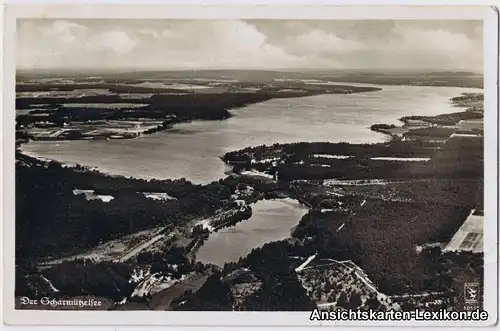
[(491, 71)]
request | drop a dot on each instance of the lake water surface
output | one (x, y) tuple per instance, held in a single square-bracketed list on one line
[(271, 220), (192, 150)]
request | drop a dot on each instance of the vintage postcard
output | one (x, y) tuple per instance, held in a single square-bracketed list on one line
[(279, 165)]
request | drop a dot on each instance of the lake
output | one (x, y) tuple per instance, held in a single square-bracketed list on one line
[(271, 220), (192, 150)]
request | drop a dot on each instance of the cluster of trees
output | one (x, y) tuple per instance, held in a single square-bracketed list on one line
[(459, 157), (381, 238), (440, 78), (352, 302), (65, 223), (259, 186), (271, 265), (468, 96), (296, 152), (341, 169), (463, 267), (199, 231), (30, 283), (467, 192), (231, 217), (381, 127), (82, 277), (113, 88), (445, 119), (430, 132), (106, 279), (281, 290), (452, 160), (163, 262), (214, 295)]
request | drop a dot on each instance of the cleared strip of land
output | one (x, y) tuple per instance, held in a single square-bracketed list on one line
[(469, 237)]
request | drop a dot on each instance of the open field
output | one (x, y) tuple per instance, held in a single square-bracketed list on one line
[(118, 249), (68, 104), (112, 129), (470, 235)]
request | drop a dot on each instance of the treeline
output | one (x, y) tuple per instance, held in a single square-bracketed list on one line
[(392, 149), (458, 79), (296, 152), (468, 97), (171, 261), (445, 119), (443, 78), (76, 278), (280, 288), (83, 178), (53, 103), (231, 217), (452, 270), (381, 238), (430, 132), (214, 295), (105, 279), (112, 280), (379, 127), (467, 192), (65, 223), (113, 88), (457, 158)]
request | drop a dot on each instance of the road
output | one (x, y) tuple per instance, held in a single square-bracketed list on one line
[(136, 250), (303, 265)]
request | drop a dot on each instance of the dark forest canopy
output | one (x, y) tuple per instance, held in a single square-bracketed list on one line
[(66, 223)]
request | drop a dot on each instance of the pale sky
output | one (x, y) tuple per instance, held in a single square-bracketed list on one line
[(254, 44)]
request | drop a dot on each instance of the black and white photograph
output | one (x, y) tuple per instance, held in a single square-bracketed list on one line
[(327, 166)]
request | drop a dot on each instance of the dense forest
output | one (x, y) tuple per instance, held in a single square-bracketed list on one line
[(214, 295), (459, 157), (445, 119), (65, 223), (381, 239), (271, 265)]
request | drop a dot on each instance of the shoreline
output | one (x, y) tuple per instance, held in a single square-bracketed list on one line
[(419, 138), (97, 169), (390, 137), (463, 101), (25, 141), (111, 172), (283, 200), (229, 101)]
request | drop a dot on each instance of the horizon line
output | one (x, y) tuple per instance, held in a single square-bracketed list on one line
[(126, 69)]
